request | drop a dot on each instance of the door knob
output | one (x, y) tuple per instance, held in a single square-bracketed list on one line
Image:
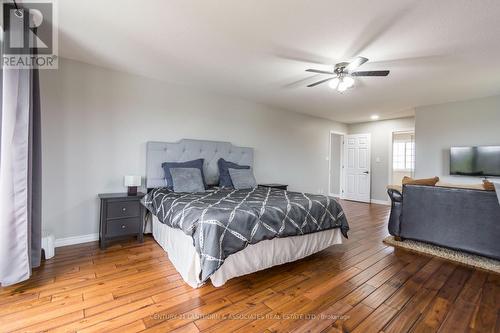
[(366, 172)]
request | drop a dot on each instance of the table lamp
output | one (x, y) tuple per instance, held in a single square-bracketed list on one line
[(132, 182)]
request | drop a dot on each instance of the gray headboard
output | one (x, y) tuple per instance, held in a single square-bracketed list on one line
[(187, 149)]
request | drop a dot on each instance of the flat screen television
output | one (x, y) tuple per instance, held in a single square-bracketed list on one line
[(475, 161)]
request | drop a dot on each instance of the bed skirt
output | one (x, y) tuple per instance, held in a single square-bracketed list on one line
[(253, 258)]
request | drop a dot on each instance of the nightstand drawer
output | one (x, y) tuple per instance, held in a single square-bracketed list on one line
[(122, 227), (119, 209)]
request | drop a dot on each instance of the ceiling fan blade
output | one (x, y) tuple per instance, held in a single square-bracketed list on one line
[(370, 73), (318, 71), (355, 64), (320, 82)]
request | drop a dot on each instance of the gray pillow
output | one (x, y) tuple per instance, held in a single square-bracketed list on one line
[(188, 164), (224, 166), (187, 180), (242, 178)]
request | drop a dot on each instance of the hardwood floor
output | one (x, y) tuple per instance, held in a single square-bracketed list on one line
[(360, 286)]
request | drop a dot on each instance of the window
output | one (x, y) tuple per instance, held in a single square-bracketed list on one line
[(403, 155)]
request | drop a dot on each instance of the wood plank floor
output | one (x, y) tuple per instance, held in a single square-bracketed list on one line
[(360, 286)]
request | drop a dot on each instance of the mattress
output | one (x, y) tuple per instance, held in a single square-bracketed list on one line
[(255, 257)]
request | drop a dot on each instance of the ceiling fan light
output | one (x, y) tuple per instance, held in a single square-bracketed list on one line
[(342, 86), (334, 83), (348, 81)]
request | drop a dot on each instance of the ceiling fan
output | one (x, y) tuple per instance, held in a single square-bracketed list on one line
[(344, 73)]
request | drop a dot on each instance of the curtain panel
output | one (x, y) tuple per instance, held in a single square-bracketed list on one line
[(20, 173)]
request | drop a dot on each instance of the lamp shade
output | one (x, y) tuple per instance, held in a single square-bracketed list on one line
[(132, 180)]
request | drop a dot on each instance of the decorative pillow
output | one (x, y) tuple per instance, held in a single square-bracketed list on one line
[(242, 178), (198, 164), (224, 177), (423, 181), (187, 180), (488, 186)]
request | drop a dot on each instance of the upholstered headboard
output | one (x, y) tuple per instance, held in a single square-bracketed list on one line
[(187, 149)]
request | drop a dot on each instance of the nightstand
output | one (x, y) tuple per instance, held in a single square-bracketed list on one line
[(121, 216), (277, 186)]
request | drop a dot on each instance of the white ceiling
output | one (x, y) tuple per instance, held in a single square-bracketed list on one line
[(437, 51)]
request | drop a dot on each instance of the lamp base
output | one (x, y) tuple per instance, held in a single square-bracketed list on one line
[(132, 190)]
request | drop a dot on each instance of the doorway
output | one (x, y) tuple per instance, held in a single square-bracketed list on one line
[(357, 167), (349, 174)]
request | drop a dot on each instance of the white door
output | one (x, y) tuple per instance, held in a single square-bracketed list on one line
[(357, 167)]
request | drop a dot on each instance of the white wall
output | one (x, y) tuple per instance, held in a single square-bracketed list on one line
[(381, 138), (397, 176), (439, 127), (96, 122)]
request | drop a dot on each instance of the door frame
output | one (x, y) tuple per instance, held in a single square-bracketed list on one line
[(391, 141), (342, 176), (369, 135)]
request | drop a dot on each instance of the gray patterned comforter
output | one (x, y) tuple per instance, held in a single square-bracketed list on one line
[(222, 221)]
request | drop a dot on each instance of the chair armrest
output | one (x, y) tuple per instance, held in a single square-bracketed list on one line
[(396, 207)]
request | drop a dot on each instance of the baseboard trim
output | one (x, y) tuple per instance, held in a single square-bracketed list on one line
[(381, 202), (76, 240)]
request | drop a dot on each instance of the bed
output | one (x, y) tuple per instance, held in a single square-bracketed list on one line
[(223, 233)]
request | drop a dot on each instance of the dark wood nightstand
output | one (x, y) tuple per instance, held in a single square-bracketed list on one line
[(121, 216), (277, 186)]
